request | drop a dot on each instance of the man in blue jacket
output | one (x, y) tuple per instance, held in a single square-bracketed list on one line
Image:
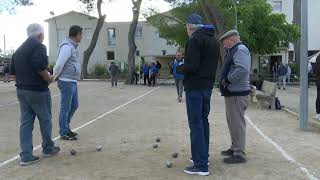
[(202, 53), (234, 86), (178, 78), (145, 73), (153, 71), (29, 66)]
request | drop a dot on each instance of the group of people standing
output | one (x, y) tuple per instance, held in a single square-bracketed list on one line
[(281, 74), (4, 70), (150, 73), (196, 74), (29, 67)]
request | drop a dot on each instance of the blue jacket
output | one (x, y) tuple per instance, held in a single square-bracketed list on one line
[(153, 69), (282, 70), (145, 70), (175, 64), (29, 59)]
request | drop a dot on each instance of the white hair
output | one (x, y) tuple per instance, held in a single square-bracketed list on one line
[(34, 30)]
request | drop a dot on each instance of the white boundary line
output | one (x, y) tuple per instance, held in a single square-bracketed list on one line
[(280, 149), (56, 95), (2, 164)]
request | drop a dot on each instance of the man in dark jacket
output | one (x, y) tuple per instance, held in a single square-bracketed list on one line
[(316, 72), (234, 86), (199, 69), (29, 66), (282, 72), (114, 71)]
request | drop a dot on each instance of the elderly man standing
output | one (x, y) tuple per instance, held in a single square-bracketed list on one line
[(29, 66), (199, 69), (178, 78), (234, 86), (68, 71)]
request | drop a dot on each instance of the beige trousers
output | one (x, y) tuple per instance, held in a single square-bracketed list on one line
[(235, 111)]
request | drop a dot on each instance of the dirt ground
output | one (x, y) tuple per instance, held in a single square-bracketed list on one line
[(126, 120)]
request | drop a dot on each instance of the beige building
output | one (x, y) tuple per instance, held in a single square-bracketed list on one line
[(112, 44)]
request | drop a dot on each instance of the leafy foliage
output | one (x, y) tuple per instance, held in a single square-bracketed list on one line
[(261, 30), (9, 5)]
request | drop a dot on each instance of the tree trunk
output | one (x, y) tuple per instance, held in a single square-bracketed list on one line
[(214, 15), (297, 20), (131, 40), (88, 52)]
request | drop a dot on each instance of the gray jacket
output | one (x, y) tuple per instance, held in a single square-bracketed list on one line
[(238, 75), (68, 66)]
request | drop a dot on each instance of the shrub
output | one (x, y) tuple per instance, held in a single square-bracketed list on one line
[(99, 72)]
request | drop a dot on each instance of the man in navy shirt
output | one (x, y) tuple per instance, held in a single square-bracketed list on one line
[(29, 66)]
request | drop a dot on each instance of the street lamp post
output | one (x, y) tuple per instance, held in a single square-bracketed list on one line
[(303, 119), (236, 14)]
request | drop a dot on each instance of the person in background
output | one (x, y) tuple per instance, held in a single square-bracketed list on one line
[(178, 78), (67, 72), (282, 74), (29, 66), (235, 87), (145, 74), (275, 72), (6, 71), (202, 54), (316, 72), (114, 71), (153, 71), (289, 73), (159, 66)]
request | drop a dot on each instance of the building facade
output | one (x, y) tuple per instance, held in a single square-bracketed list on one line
[(112, 45), (264, 63)]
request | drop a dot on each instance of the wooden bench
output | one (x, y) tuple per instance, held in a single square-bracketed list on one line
[(267, 94)]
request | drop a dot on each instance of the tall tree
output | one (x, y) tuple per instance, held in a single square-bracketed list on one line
[(9, 5), (88, 52), (131, 38)]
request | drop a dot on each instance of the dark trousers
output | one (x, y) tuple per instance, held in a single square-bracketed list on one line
[(152, 80), (198, 109), (318, 96), (32, 104), (146, 79)]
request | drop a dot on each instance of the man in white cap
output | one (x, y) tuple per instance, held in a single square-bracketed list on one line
[(199, 70), (234, 86)]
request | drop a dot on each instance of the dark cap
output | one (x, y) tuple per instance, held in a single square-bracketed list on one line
[(75, 30), (194, 19)]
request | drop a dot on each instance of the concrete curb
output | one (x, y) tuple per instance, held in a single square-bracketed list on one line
[(313, 123)]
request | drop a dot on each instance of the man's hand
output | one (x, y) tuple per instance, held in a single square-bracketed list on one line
[(52, 79)]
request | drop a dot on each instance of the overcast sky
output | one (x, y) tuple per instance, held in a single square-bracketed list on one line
[(14, 25)]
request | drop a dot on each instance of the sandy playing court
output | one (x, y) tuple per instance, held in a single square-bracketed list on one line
[(126, 120)]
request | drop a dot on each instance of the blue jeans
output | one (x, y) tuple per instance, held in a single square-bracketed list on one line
[(32, 104), (68, 105), (198, 109)]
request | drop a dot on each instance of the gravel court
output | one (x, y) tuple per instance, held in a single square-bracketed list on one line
[(9, 142), (128, 134)]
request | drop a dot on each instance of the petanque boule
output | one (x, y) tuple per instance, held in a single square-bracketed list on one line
[(99, 148), (73, 152), (168, 164), (155, 146), (158, 139), (175, 155)]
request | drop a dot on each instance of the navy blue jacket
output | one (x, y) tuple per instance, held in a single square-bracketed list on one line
[(29, 59)]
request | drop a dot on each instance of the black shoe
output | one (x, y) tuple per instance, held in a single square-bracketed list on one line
[(195, 171), (55, 150), (32, 160), (234, 159), (228, 152), (73, 133), (68, 137)]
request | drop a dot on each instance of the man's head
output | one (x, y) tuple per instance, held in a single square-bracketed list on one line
[(230, 38), (35, 31), (194, 22), (75, 33), (178, 55)]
